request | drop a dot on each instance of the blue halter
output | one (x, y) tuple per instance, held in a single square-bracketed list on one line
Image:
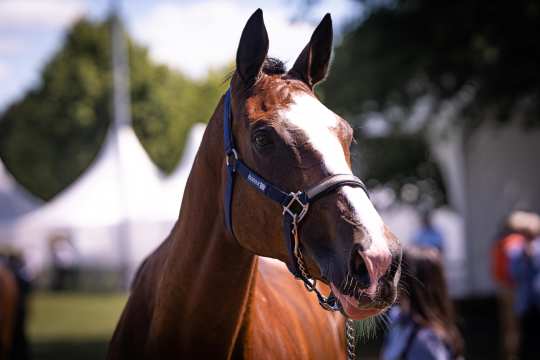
[(295, 205)]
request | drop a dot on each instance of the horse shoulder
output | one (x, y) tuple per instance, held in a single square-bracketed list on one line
[(131, 334), (286, 322)]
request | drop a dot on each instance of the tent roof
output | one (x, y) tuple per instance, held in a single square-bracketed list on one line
[(121, 185), (14, 200), (174, 184)]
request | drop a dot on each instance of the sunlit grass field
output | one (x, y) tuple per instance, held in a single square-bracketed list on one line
[(72, 325), (78, 326)]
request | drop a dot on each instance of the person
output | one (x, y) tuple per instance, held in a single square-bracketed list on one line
[(64, 259), (422, 326), (513, 235), (428, 236), (524, 270)]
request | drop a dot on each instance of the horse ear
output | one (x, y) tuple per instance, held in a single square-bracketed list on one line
[(312, 64), (252, 49)]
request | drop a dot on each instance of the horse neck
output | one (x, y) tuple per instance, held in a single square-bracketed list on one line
[(207, 276)]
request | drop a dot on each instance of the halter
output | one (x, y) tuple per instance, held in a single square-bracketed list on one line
[(295, 205)]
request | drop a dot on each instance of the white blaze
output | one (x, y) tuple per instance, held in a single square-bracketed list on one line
[(319, 124)]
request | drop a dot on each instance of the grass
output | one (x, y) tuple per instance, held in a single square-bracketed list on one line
[(72, 325), (78, 326)]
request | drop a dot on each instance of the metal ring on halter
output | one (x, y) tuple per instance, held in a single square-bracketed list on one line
[(295, 199), (228, 155), (311, 287)]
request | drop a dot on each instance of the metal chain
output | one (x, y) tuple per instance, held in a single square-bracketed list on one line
[(300, 258), (351, 343), (327, 302), (349, 323)]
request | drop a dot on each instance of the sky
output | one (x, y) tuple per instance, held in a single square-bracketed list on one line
[(190, 36)]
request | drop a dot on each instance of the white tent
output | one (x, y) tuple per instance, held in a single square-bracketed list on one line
[(121, 184), (173, 185), (404, 221), (14, 200), (14, 203), (120, 209), (122, 206)]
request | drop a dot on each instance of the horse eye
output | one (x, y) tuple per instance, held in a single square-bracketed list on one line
[(261, 139)]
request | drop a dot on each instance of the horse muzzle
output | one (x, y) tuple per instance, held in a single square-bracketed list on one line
[(370, 284)]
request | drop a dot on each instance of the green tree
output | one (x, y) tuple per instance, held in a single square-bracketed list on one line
[(166, 104), (479, 56), (400, 50), (49, 137)]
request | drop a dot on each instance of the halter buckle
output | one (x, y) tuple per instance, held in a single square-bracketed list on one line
[(231, 153), (311, 286), (296, 208), (330, 303)]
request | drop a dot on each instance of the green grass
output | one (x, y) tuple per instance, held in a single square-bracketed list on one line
[(72, 325), (78, 326)]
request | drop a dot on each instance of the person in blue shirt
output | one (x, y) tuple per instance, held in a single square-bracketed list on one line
[(422, 326), (428, 236), (525, 272)]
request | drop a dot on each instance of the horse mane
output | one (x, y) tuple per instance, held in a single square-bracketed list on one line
[(271, 66)]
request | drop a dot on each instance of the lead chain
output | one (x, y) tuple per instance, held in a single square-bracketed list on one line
[(349, 333), (349, 324), (300, 258)]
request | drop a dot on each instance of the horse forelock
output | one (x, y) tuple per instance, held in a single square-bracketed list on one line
[(273, 66)]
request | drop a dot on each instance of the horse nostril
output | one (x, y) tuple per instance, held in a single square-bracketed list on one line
[(359, 270)]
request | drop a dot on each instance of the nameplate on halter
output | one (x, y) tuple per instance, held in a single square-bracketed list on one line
[(256, 181)]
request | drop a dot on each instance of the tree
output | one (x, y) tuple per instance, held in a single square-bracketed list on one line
[(49, 137), (401, 50), (460, 59), (401, 162)]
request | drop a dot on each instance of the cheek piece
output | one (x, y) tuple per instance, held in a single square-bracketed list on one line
[(295, 205)]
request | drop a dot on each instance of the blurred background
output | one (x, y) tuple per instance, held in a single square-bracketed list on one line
[(103, 105)]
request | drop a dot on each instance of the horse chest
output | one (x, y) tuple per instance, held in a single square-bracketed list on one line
[(291, 326)]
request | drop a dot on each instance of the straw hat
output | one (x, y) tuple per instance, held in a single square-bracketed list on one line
[(525, 222)]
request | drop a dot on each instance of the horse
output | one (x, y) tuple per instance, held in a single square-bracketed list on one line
[(9, 295), (220, 285)]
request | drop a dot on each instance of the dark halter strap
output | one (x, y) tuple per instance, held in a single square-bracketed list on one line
[(295, 205)]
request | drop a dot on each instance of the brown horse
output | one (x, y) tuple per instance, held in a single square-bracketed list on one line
[(207, 292), (9, 294)]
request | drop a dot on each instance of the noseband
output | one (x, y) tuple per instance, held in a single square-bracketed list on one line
[(295, 205)]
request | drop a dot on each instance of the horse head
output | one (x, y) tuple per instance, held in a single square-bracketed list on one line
[(285, 134)]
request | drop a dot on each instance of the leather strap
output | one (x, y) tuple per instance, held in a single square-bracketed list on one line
[(228, 142), (332, 183)]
